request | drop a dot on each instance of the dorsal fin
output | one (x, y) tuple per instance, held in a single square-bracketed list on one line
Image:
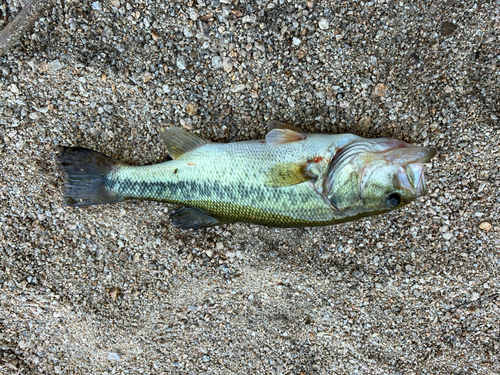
[(287, 174), (275, 124), (280, 133), (179, 141)]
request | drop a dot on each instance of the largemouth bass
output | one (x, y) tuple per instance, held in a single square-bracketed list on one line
[(290, 179)]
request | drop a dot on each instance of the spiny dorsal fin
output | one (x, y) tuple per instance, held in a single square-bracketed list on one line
[(280, 133), (287, 174), (275, 124), (179, 141)]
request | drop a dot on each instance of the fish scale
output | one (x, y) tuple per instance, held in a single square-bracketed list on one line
[(226, 182)]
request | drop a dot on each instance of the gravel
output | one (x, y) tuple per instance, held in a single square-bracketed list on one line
[(117, 289)]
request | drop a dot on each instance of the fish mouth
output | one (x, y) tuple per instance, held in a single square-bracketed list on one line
[(410, 158), (411, 179), (415, 173)]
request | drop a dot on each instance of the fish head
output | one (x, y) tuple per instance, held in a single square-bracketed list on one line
[(371, 176)]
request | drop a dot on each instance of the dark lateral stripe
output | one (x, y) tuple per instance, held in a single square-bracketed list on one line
[(183, 190), (186, 191)]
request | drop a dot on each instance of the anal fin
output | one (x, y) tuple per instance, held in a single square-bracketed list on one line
[(188, 217)]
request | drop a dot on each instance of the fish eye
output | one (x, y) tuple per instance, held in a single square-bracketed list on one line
[(393, 200)]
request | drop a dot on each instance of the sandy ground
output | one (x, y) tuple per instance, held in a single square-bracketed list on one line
[(117, 289)]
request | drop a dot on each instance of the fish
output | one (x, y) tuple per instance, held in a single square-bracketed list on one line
[(288, 179)]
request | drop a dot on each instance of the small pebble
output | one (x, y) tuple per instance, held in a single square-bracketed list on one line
[(193, 14), (237, 88), (379, 90), (115, 293), (113, 357), (13, 88), (323, 24), (181, 62), (216, 62), (146, 77), (249, 19), (447, 235), (485, 226), (237, 13), (188, 33), (54, 66), (227, 64), (192, 108), (447, 28)]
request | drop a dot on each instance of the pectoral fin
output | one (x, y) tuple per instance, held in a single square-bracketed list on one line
[(280, 133), (188, 217), (287, 174), (179, 141)]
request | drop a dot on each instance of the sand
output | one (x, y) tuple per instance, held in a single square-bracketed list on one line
[(116, 289)]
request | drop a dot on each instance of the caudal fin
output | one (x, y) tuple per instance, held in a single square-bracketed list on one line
[(86, 172)]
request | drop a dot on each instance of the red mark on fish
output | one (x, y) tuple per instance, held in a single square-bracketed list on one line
[(316, 159)]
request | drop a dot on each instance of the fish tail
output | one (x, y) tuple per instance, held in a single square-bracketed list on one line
[(87, 175)]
